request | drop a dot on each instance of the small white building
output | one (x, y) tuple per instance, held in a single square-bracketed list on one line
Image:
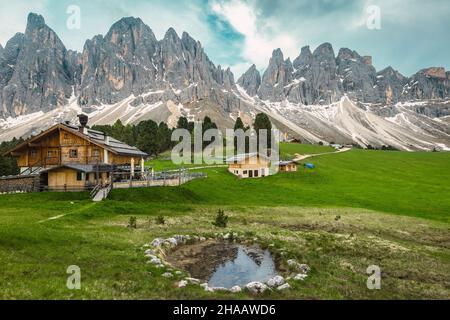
[(249, 165)]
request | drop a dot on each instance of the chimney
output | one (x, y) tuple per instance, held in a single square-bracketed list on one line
[(83, 123), (106, 139)]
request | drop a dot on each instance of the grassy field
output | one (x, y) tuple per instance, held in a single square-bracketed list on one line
[(356, 209)]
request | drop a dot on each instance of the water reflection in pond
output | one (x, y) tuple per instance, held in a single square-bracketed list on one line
[(224, 264), (243, 269)]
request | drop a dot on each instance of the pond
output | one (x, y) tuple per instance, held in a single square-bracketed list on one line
[(224, 264)]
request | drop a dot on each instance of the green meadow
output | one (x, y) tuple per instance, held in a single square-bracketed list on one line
[(356, 209)]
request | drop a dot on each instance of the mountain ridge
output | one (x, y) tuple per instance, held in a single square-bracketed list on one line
[(129, 74)]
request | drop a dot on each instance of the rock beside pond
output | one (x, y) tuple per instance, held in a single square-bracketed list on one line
[(155, 260), (276, 281), (157, 242), (302, 268), (172, 242), (193, 280), (284, 287), (236, 289), (300, 277), (256, 287), (179, 238), (167, 275)]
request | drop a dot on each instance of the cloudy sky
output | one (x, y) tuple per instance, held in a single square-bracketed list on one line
[(412, 34)]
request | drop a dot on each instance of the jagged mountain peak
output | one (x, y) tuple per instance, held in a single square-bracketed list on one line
[(172, 35), (391, 72), (277, 54), (324, 49), (129, 29), (346, 54), (250, 81), (129, 21), (435, 72), (35, 20), (186, 38), (304, 58), (37, 76)]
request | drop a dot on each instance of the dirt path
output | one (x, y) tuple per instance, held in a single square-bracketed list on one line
[(86, 207), (307, 156)]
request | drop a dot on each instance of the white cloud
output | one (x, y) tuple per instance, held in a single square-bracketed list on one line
[(259, 43)]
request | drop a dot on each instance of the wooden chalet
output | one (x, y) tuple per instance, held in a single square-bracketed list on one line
[(69, 157)]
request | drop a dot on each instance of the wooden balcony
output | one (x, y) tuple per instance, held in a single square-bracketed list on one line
[(52, 161)]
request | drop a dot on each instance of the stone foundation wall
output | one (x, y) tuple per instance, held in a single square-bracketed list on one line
[(20, 184)]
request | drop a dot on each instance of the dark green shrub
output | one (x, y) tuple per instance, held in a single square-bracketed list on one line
[(221, 219), (160, 220), (132, 223)]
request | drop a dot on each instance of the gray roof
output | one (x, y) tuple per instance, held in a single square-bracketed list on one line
[(284, 163), (111, 143)]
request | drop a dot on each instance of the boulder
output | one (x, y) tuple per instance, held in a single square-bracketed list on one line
[(276, 281), (155, 261), (302, 268), (167, 275), (256, 287), (193, 280), (300, 277), (172, 242), (157, 242), (284, 287), (182, 284), (236, 289)]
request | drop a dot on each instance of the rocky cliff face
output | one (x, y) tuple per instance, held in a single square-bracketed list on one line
[(37, 73), (34, 71), (130, 75), (320, 77), (129, 60), (431, 83), (250, 81), (276, 76)]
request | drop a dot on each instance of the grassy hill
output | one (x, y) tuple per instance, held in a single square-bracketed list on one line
[(414, 184), (356, 209)]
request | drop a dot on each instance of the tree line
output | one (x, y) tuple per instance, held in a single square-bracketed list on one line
[(8, 165), (147, 136)]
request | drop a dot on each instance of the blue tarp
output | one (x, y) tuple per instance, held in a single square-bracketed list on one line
[(310, 166)]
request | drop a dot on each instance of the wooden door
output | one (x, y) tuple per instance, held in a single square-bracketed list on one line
[(60, 179)]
